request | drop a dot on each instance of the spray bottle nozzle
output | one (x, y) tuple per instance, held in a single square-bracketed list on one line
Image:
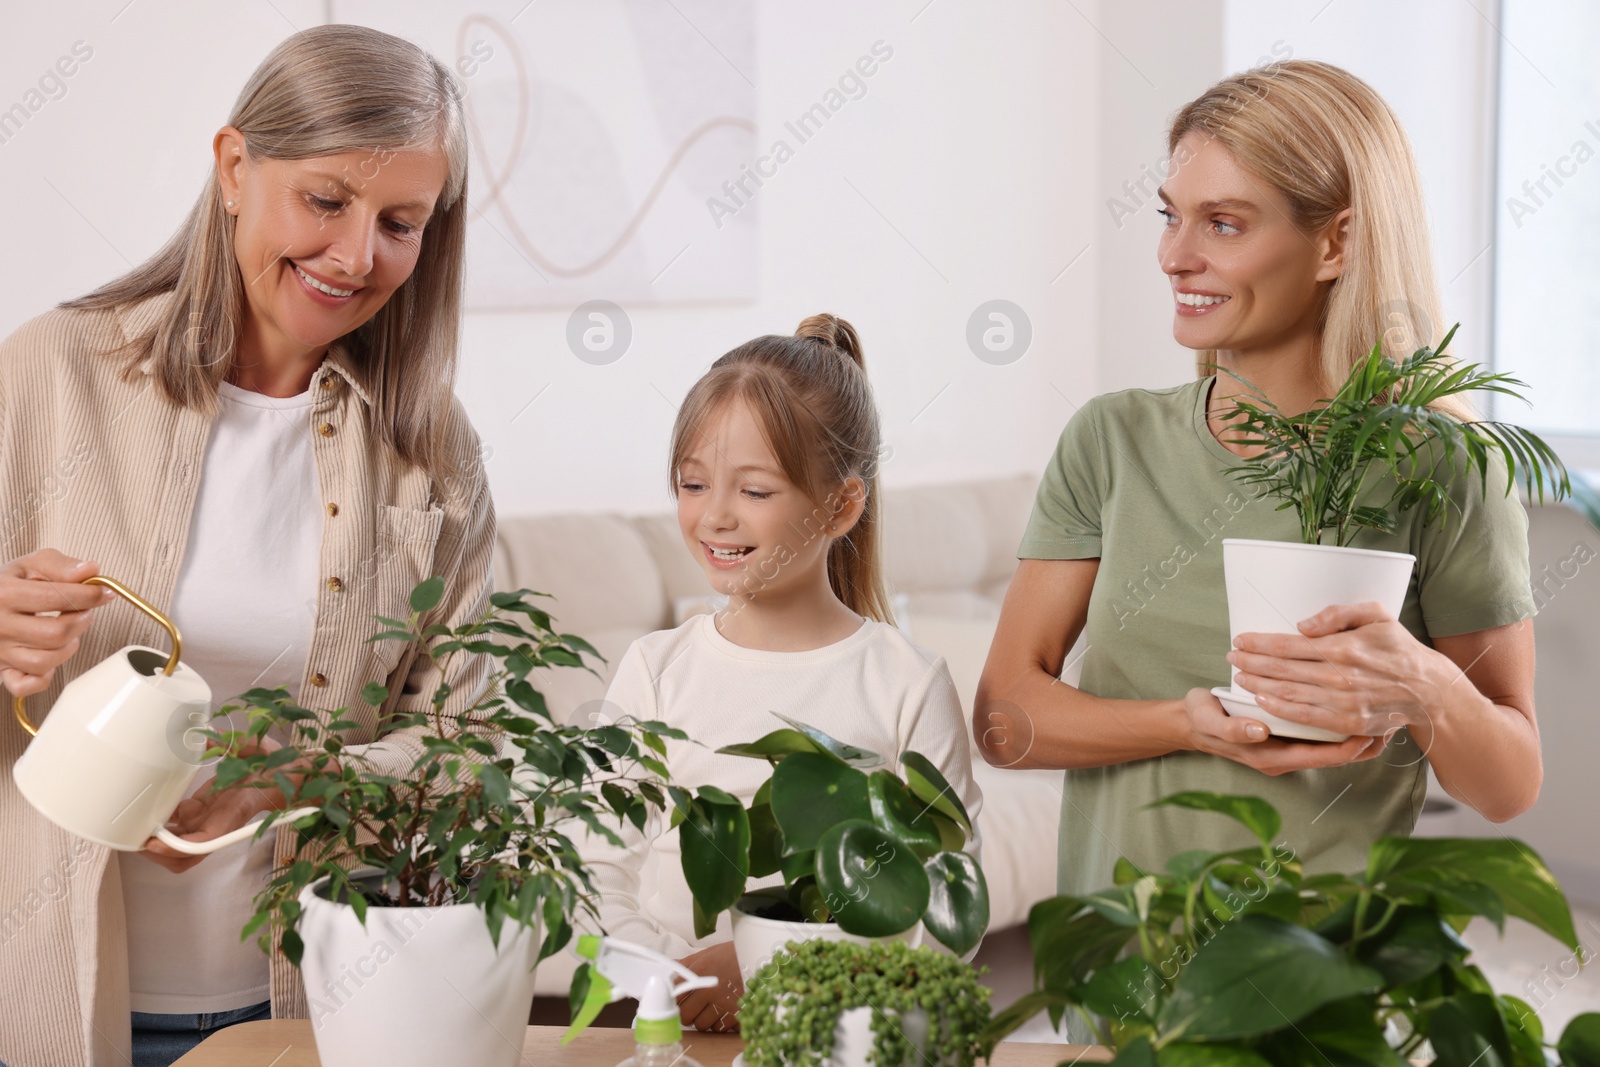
[(615, 969)]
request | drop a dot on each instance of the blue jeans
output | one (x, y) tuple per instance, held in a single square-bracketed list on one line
[(158, 1040)]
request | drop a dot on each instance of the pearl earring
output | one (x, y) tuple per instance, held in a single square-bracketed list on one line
[(230, 203)]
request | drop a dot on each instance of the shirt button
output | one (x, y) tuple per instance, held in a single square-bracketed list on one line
[(326, 429), (333, 509), (319, 680), (335, 585), (330, 382)]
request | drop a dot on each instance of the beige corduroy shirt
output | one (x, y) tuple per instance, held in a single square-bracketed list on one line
[(102, 466)]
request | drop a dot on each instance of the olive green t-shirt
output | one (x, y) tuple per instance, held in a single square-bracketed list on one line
[(1138, 481)]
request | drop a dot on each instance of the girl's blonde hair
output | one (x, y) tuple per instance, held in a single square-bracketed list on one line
[(323, 91), (810, 396), (1325, 140)]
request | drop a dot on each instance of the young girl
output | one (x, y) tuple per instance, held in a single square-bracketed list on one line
[(774, 468)]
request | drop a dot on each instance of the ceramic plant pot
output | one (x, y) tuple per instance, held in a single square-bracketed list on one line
[(1272, 585), (415, 986)]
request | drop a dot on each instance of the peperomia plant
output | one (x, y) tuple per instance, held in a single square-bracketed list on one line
[(479, 818), (873, 852), (1320, 461), (1240, 959)]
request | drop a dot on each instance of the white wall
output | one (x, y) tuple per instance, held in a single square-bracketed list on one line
[(1434, 62), (976, 143), (1155, 57)]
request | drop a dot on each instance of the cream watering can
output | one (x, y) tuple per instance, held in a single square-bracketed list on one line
[(112, 761)]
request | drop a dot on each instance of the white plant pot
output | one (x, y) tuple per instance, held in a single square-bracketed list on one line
[(416, 986), (1272, 585), (852, 1039), (755, 939)]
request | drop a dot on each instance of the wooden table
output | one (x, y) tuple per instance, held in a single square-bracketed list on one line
[(288, 1043)]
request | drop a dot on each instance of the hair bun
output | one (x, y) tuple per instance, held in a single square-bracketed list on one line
[(833, 331)]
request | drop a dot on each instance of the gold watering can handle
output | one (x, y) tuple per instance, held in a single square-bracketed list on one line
[(143, 605)]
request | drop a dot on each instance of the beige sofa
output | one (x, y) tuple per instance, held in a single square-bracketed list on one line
[(949, 553)]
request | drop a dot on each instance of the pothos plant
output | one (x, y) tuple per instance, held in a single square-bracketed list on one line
[(481, 815), (874, 852), (1323, 461), (791, 1009), (1241, 959)]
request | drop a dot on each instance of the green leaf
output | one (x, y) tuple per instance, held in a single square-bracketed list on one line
[(766, 841), (773, 746), (1256, 815), (1467, 1030), (1126, 905), (1414, 943), (958, 901), (715, 841), (1467, 871), (812, 793), (1071, 942), (1127, 989), (894, 809), (375, 693), (1138, 1053), (1257, 975), (874, 885), (1345, 1033), (294, 949), (426, 596), (797, 865), (930, 787), (1525, 1030), (859, 758), (1580, 1041), (1207, 1056)]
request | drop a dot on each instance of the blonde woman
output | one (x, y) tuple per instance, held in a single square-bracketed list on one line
[(1295, 237), (255, 429)]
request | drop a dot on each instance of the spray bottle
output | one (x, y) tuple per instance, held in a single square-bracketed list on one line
[(617, 969)]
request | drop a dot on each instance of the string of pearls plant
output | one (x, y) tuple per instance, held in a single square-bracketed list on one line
[(792, 1005)]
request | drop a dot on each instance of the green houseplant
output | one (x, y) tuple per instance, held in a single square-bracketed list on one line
[(409, 892), (1240, 959), (825, 1002), (869, 854), (1321, 462), (1353, 463)]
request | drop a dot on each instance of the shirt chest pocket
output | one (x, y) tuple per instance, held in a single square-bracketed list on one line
[(406, 541)]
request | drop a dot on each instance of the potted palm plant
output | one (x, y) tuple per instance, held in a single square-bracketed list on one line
[(844, 1004), (1350, 464), (1240, 959), (418, 905), (861, 855)]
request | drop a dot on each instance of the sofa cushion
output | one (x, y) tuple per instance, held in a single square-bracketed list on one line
[(598, 567)]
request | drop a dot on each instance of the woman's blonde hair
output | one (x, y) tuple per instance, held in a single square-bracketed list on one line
[(1325, 140), (810, 396), (323, 91)]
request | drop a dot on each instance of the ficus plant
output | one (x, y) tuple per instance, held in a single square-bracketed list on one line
[(482, 815), (1378, 433), (855, 843), (1241, 959)]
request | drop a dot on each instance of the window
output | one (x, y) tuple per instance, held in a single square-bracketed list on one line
[(1547, 221)]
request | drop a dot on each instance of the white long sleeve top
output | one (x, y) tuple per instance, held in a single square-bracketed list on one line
[(874, 689)]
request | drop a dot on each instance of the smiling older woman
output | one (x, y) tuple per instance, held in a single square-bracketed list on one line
[(256, 429)]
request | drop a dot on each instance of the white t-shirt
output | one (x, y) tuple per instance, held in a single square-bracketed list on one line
[(245, 605), (874, 689)]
